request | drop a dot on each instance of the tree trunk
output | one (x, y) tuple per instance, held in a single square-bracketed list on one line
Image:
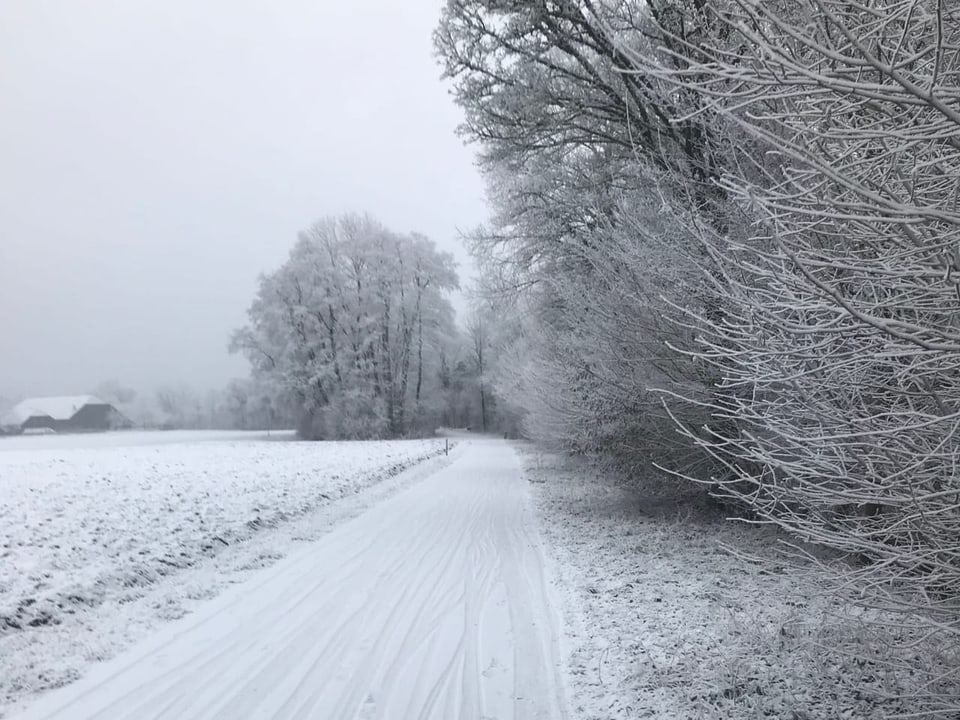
[(419, 349), (483, 407)]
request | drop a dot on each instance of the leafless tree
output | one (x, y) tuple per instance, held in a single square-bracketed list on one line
[(341, 324), (840, 345)]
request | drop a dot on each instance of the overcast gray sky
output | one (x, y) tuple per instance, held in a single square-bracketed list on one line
[(156, 155)]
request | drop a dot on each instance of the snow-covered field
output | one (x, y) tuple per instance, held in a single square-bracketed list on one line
[(91, 441), (433, 604), (91, 524), (668, 611)]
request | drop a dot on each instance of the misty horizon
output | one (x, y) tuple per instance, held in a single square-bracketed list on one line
[(158, 159)]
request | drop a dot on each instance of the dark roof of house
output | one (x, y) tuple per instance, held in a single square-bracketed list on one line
[(57, 408)]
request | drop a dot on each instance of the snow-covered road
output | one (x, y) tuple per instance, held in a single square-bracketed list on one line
[(432, 605)]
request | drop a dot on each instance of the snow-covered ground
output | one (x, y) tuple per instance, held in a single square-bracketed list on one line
[(429, 595), (673, 612), (433, 604), (127, 438), (102, 537)]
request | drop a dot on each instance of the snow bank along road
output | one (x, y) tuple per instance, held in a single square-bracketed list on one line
[(432, 605)]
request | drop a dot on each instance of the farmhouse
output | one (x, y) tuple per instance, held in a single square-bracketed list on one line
[(77, 413)]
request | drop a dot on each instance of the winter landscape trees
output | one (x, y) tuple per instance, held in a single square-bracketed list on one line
[(840, 364), (726, 236), (356, 327)]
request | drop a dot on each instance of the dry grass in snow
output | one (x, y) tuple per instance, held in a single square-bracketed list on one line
[(664, 621)]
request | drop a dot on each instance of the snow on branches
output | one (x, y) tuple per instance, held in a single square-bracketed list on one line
[(348, 325)]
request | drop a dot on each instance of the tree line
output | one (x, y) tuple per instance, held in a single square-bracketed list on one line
[(725, 248), (357, 332)]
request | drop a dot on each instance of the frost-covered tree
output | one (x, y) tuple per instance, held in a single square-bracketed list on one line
[(595, 171), (179, 406), (478, 334), (350, 324), (553, 82), (750, 206), (252, 404), (840, 361), (115, 393)]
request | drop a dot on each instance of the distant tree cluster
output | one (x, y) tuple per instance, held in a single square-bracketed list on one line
[(357, 329), (241, 405), (726, 240)]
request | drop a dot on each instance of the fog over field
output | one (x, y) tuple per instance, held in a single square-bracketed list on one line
[(547, 359), (156, 157)]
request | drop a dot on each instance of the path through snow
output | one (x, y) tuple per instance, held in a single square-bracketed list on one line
[(432, 605)]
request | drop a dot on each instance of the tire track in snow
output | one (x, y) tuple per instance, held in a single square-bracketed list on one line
[(432, 605)]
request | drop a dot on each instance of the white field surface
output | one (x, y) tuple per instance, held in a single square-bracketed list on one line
[(104, 537), (429, 600)]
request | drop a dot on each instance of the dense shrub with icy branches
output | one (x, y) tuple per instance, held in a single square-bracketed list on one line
[(598, 340), (842, 344), (583, 239)]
